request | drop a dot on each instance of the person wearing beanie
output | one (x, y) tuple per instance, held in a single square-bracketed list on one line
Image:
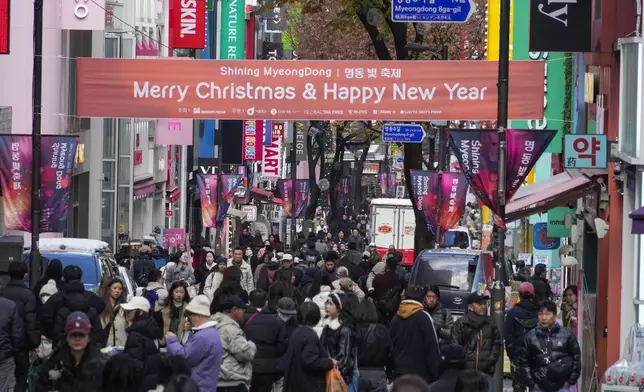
[(348, 286), (43, 352), (520, 319), (203, 350), (215, 277), (76, 364), (53, 271), (452, 363)]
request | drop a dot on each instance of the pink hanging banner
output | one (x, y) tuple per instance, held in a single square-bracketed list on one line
[(174, 132)]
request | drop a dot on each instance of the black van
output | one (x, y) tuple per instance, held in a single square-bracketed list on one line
[(457, 272)]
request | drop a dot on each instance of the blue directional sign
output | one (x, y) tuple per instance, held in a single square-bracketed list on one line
[(432, 11), (402, 133)]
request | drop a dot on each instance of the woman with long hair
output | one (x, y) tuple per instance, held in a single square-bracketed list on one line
[(290, 291), (171, 310), (338, 336), (113, 318), (230, 285)]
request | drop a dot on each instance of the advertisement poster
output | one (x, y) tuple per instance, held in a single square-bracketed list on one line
[(286, 189), (272, 159), (343, 192), (173, 237), (453, 193), (301, 197), (207, 184), (424, 186), (253, 140), (229, 183), (477, 151), (306, 89), (541, 241), (174, 132), (57, 163)]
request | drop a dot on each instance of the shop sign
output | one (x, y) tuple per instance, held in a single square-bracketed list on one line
[(556, 222), (586, 151), (251, 213), (5, 17), (272, 159), (253, 140), (540, 239), (82, 15), (187, 24)]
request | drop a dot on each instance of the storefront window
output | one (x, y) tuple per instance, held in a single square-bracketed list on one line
[(123, 218), (109, 175), (107, 218)]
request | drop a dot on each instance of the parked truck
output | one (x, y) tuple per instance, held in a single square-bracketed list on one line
[(393, 223)]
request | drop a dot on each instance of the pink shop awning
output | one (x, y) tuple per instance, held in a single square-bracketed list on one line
[(144, 188), (266, 194)]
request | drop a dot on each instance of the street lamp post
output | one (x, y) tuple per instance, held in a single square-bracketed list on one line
[(500, 278)]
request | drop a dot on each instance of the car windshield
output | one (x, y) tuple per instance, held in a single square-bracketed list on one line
[(457, 239), (86, 262), (455, 271)]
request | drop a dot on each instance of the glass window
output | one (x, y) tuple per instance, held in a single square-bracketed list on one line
[(124, 201), (107, 217), (124, 171), (456, 271), (125, 145), (111, 47), (109, 141), (127, 47), (109, 175), (86, 262)]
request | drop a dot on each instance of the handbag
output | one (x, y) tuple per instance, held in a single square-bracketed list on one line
[(334, 381)]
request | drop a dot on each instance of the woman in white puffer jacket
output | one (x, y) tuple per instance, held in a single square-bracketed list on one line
[(320, 300)]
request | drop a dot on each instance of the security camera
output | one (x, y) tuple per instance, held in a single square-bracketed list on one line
[(601, 227)]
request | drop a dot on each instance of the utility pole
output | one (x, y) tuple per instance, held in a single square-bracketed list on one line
[(36, 90), (293, 181), (442, 147), (500, 278)]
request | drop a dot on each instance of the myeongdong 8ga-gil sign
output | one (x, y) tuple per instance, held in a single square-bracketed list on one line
[(295, 90)]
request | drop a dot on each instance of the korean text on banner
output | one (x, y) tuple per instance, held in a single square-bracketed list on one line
[(57, 162), (174, 132), (424, 186), (286, 189), (296, 90), (301, 197), (253, 140), (187, 24), (229, 183), (173, 237), (208, 194), (272, 160), (453, 194)]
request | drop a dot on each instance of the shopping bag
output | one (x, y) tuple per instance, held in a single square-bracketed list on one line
[(334, 381)]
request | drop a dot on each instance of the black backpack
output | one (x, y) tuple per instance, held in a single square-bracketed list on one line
[(143, 277), (390, 300), (66, 309)]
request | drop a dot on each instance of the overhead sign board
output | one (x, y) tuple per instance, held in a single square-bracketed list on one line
[(586, 151), (402, 133), (305, 89), (433, 11)]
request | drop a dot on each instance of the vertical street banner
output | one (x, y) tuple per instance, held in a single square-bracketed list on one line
[(286, 189), (207, 184), (424, 185), (57, 158), (453, 193), (253, 140), (383, 178), (477, 151), (343, 193), (229, 183), (233, 22), (272, 159), (302, 191)]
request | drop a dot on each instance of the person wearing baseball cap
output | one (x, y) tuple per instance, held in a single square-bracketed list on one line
[(236, 366), (479, 335), (520, 319), (141, 343)]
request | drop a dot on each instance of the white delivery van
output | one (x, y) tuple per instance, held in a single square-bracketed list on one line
[(393, 223)]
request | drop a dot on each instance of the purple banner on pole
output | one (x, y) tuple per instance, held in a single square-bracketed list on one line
[(424, 186), (207, 184), (301, 197), (286, 189), (343, 193), (229, 183), (57, 168), (477, 151), (15, 177), (453, 194)]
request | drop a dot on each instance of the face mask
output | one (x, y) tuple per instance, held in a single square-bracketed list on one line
[(249, 253)]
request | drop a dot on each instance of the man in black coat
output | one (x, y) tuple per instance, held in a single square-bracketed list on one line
[(550, 358), (263, 328), (25, 301), (415, 347), (452, 362), (143, 266), (477, 333), (54, 313), (10, 341), (542, 289), (519, 320)]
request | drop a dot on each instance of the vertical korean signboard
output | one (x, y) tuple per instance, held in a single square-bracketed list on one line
[(233, 14), (272, 159), (5, 17), (187, 22)]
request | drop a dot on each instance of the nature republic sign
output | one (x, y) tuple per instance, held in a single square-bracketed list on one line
[(296, 90)]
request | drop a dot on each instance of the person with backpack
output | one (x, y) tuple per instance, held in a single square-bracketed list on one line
[(415, 348), (142, 343), (522, 318), (143, 266), (387, 289), (443, 319), (54, 313), (155, 290)]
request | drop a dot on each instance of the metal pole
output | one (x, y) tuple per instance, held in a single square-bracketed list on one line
[(293, 181), (500, 278), (36, 88), (441, 161)]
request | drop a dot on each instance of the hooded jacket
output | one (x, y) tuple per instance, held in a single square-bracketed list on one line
[(307, 362), (480, 338), (141, 346), (25, 301), (212, 283), (203, 354), (247, 282), (520, 319), (415, 346), (549, 358), (238, 352)]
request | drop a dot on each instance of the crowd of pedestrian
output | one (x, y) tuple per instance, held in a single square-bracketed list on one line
[(268, 320)]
